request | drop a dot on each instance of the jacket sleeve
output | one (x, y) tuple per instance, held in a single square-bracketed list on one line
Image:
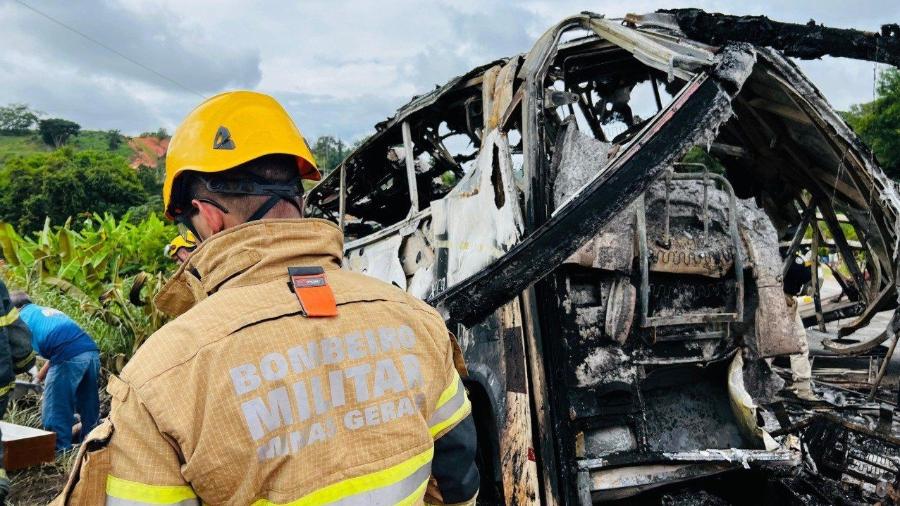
[(453, 430), (126, 460), (8, 316), (20, 346)]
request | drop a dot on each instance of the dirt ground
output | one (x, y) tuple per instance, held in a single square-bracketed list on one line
[(38, 485)]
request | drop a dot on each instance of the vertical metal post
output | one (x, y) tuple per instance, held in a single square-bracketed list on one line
[(667, 241), (817, 299), (884, 362), (641, 226), (655, 86), (807, 211), (736, 242), (410, 168), (705, 203), (342, 203)]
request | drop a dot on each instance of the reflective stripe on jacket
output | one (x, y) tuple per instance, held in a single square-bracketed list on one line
[(243, 400)]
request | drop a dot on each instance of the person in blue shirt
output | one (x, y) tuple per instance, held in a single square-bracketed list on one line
[(73, 360)]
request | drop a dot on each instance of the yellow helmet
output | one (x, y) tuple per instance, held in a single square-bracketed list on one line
[(230, 129), (180, 241)]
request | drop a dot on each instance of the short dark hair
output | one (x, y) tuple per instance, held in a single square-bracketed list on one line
[(270, 169), (19, 298)]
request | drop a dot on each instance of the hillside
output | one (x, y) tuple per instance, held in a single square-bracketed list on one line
[(141, 150), (147, 151)]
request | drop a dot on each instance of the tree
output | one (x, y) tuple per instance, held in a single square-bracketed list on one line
[(17, 119), (699, 155), (329, 153), (66, 183), (878, 122), (151, 178), (114, 137), (56, 131), (160, 133)]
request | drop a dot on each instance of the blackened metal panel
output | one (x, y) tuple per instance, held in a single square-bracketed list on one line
[(702, 106)]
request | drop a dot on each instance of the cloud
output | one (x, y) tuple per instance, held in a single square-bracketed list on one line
[(158, 40), (471, 39), (339, 67), (349, 118)]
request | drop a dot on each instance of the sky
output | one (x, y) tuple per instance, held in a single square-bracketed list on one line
[(338, 67)]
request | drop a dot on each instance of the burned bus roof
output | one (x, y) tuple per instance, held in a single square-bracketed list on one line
[(764, 104), (363, 178)]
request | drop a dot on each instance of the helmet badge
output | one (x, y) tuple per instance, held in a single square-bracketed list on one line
[(223, 139)]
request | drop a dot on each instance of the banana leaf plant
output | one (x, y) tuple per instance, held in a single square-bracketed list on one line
[(111, 269)]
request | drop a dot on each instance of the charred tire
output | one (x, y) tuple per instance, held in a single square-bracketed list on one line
[(488, 455)]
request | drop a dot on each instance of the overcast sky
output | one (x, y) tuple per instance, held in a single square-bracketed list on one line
[(338, 66)]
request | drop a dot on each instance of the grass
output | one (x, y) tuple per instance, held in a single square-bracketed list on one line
[(108, 338), (11, 145), (97, 140), (40, 484)]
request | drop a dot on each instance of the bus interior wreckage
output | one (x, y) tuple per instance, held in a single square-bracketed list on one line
[(607, 223)]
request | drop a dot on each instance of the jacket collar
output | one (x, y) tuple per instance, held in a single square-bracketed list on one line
[(250, 254)]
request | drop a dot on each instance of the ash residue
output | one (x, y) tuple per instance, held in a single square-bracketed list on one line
[(761, 382), (757, 229), (686, 200), (735, 65), (692, 498), (608, 440), (605, 365), (578, 159)]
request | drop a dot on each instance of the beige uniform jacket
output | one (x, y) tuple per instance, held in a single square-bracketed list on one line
[(244, 400)]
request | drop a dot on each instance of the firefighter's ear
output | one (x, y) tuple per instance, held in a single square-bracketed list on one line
[(210, 218)]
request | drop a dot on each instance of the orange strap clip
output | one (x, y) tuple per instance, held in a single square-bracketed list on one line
[(315, 296)]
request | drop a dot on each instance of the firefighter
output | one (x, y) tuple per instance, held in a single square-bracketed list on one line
[(16, 357), (285, 379), (8, 315), (180, 247)]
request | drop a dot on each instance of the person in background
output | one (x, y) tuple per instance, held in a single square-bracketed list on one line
[(8, 315), (798, 276), (70, 374), (180, 248)]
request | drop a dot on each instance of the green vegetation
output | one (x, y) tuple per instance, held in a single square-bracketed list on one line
[(17, 119), (699, 155), (103, 275), (66, 183), (56, 131), (329, 152), (80, 229), (20, 145), (94, 140), (878, 122), (114, 139), (161, 133)]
